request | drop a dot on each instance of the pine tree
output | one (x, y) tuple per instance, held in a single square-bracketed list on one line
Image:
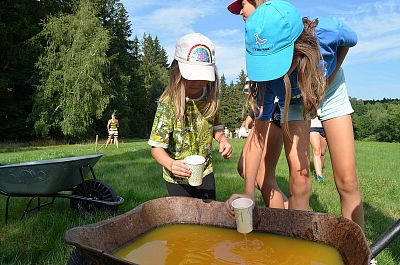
[(19, 22), (232, 103), (155, 77), (73, 90), (115, 19)]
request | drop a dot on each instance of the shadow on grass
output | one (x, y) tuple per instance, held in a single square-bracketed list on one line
[(135, 175), (12, 149), (315, 203), (131, 140), (376, 223)]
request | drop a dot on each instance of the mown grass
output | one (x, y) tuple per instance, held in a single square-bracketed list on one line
[(134, 175)]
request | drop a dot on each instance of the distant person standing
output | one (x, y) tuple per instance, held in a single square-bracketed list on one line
[(226, 132), (112, 128), (319, 145)]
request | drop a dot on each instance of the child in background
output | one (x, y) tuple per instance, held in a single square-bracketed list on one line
[(187, 118), (318, 145), (112, 128)]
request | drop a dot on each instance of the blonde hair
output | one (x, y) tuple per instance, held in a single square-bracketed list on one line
[(175, 93), (310, 78)]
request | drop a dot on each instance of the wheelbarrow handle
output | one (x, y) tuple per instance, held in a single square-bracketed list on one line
[(388, 236)]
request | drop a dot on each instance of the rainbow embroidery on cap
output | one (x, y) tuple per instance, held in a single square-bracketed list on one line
[(199, 53)]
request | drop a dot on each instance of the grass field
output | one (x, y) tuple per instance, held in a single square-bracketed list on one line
[(131, 171)]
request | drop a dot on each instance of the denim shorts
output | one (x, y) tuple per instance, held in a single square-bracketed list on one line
[(319, 130), (276, 88), (336, 102)]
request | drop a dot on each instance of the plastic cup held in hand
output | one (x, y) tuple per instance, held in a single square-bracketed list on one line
[(196, 164), (243, 208)]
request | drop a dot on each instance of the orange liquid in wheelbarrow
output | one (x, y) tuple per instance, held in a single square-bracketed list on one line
[(184, 244)]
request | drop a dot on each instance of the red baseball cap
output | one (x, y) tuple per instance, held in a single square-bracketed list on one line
[(235, 7)]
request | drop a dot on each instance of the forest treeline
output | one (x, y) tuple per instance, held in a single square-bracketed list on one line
[(65, 66)]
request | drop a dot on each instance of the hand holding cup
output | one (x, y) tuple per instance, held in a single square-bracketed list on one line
[(243, 209), (196, 164), (180, 169)]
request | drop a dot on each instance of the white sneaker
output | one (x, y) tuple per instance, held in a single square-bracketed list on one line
[(373, 262)]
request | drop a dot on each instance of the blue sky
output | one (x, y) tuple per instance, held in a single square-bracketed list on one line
[(371, 67)]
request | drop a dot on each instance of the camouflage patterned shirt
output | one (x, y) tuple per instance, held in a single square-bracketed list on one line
[(194, 137)]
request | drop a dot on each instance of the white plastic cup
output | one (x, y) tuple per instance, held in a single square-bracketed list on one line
[(196, 164), (243, 208)]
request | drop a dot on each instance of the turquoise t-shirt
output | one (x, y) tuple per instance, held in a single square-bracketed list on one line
[(332, 33)]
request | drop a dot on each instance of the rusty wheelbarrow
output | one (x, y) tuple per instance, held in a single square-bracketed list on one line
[(96, 243)]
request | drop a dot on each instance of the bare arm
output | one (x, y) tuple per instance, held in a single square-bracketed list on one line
[(108, 124), (225, 148), (341, 55), (177, 167), (248, 122), (219, 136)]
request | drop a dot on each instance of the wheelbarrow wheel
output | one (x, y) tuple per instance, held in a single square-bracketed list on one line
[(97, 190), (78, 258)]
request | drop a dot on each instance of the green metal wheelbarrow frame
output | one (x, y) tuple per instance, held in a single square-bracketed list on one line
[(49, 178)]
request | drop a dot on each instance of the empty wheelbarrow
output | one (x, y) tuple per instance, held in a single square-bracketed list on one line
[(53, 178)]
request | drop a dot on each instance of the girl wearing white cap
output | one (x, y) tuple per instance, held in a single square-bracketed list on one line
[(187, 118)]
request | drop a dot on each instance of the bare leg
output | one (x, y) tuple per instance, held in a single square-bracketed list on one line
[(324, 146), (108, 141), (340, 138), (266, 178), (316, 152), (252, 153), (116, 141), (297, 155)]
